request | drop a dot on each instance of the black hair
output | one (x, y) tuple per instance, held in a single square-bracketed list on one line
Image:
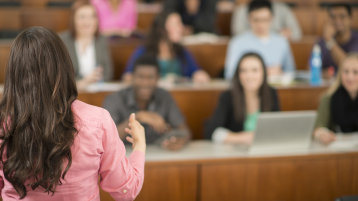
[(258, 4), (147, 60), (344, 5)]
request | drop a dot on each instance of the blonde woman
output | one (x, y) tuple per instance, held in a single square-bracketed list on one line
[(338, 110)]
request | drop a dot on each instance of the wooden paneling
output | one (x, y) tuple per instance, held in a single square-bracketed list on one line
[(301, 51), (170, 182), (145, 20), (276, 176), (121, 52), (218, 182), (294, 179), (346, 175), (197, 106), (316, 180), (223, 23), (4, 57), (300, 98), (355, 175), (305, 18), (210, 57), (56, 19), (10, 19)]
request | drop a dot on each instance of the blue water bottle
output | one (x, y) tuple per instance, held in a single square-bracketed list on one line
[(316, 66)]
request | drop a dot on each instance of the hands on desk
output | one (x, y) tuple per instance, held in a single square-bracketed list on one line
[(243, 138), (324, 135), (95, 76), (201, 77), (174, 143)]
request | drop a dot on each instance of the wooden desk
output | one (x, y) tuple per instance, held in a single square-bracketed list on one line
[(197, 103), (204, 171)]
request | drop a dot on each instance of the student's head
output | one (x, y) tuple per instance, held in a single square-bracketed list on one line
[(145, 76), (168, 26), (192, 6), (347, 75), (251, 72), (84, 21), (260, 16), (341, 16), (37, 129), (250, 77)]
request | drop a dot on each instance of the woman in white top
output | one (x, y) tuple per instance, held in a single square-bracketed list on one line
[(89, 51)]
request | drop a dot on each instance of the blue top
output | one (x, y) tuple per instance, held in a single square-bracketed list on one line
[(187, 64), (274, 51)]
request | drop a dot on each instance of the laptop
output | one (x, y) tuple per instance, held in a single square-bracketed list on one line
[(283, 131)]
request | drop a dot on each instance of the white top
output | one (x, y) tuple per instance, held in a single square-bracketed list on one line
[(86, 59)]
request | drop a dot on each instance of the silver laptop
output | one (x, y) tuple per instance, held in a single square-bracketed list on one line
[(283, 131)]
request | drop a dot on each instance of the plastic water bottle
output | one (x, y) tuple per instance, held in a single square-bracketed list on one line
[(316, 66)]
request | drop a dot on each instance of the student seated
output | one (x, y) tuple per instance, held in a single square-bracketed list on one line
[(197, 15), (89, 50), (154, 107), (234, 119), (338, 38), (116, 17), (164, 42), (284, 22), (274, 48), (338, 110)]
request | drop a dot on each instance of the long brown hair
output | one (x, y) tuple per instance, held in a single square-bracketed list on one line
[(158, 33), (238, 95), (37, 129)]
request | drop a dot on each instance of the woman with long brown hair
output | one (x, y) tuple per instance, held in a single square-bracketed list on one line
[(164, 42), (234, 120), (53, 146)]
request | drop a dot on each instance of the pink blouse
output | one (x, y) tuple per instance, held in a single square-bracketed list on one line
[(124, 18), (97, 151)]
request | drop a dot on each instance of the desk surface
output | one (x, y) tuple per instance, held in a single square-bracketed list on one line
[(205, 150), (204, 171)]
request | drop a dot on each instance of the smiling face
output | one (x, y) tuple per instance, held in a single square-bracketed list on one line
[(85, 21), (145, 80), (174, 27), (349, 75), (251, 74)]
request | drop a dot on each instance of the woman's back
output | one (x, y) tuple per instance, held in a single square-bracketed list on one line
[(97, 149), (53, 146)]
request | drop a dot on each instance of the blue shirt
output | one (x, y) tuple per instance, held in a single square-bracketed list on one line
[(187, 63), (274, 51)]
